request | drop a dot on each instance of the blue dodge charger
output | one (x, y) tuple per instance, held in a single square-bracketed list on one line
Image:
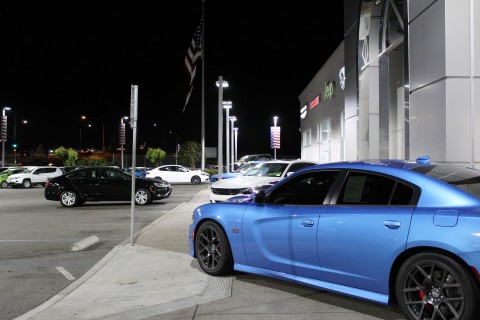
[(394, 232)]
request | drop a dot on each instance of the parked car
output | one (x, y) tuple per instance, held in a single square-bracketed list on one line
[(392, 232), (6, 173), (103, 184), (252, 157), (33, 176), (261, 176), (236, 173), (178, 174), (140, 172)]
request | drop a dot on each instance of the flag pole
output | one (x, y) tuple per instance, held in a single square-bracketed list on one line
[(202, 48)]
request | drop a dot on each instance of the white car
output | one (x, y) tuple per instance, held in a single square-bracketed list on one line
[(178, 174), (33, 176), (262, 176)]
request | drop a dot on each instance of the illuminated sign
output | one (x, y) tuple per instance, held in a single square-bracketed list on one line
[(303, 112), (329, 92), (315, 102)]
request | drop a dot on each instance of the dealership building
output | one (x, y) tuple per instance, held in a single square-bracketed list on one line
[(404, 83)]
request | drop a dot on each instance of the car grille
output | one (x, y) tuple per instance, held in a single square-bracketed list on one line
[(226, 192)]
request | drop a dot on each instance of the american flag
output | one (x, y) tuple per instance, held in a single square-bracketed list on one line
[(193, 54), (275, 137)]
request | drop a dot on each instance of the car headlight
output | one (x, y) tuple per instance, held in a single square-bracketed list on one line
[(204, 174), (246, 190), (161, 184)]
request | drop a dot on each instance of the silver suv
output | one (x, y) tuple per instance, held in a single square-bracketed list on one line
[(33, 176)]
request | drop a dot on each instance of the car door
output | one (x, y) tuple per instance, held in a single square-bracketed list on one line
[(38, 176), (364, 229), (85, 182), (167, 173), (114, 185), (281, 234)]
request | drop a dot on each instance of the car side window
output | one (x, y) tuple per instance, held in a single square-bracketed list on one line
[(297, 166), (83, 174), (38, 171), (369, 189), (310, 188), (111, 174)]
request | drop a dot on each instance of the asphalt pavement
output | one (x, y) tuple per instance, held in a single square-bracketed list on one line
[(155, 278)]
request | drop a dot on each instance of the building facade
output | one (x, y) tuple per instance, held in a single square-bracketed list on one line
[(412, 84)]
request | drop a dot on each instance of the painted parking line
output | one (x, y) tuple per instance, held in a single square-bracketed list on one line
[(67, 274)]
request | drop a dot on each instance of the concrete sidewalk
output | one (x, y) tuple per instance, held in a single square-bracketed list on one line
[(156, 279), (154, 276)]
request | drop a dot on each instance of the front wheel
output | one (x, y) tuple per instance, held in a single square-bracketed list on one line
[(26, 183), (434, 286), (196, 180), (69, 199), (213, 249), (4, 184), (143, 197)]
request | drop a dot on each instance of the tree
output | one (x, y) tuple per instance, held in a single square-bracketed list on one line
[(69, 156), (155, 155), (190, 152)]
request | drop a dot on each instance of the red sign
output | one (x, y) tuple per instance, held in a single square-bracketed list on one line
[(315, 102)]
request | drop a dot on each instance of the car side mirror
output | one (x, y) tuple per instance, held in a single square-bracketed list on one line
[(260, 197)]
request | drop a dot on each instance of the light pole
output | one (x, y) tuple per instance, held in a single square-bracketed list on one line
[(220, 84), (4, 132), (83, 117), (177, 147), (227, 105), (232, 120), (235, 130), (122, 138)]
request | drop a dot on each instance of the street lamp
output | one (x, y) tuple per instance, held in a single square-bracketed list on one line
[(83, 117), (4, 132), (227, 105), (177, 147), (220, 84), (232, 120), (274, 147)]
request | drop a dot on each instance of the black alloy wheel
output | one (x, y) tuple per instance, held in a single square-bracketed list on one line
[(143, 197), (196, 180), (68, 199), (434, 286), (213, 249)]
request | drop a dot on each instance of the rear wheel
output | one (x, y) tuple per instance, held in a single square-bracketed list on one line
[(213, 249), (143, 197), (69, 199), (434, 286), (196, 180), (26, 183)]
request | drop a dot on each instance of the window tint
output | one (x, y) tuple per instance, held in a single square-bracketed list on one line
[(402, 195), (297, 166), (83, 174), (111, 174), (363, 188), (464, 178), (309, 188)]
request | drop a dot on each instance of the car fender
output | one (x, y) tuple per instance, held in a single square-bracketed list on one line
[(229, 216)]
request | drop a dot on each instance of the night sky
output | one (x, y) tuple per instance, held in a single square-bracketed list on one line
[(61, 60)]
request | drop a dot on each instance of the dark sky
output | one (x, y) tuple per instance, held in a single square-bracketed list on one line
[(64, 59)]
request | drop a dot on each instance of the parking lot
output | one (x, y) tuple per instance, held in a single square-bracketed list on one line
[(36, 238)]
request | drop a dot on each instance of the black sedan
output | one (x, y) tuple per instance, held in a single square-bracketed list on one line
[(103, 184)]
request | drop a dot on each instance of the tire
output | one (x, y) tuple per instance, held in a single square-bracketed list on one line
[(143, 197), (4, 184), (69, 199), (213, 249), (27, 183), (434, 286), (196, 180)]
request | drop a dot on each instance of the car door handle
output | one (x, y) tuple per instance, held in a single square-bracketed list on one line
[(307, 223), (391, 224)]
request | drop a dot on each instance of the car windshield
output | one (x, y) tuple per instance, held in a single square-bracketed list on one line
[(267, 170), (247, 167), (29, 170), (464, 178)]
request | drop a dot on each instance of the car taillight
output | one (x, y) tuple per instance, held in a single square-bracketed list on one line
[(48, 183)]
